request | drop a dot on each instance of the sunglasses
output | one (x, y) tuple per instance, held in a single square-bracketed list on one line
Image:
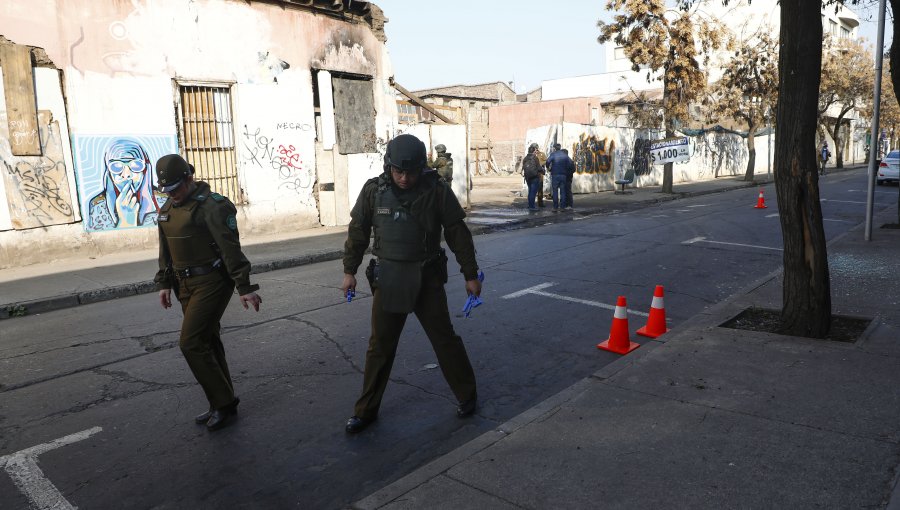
[(118, 166)]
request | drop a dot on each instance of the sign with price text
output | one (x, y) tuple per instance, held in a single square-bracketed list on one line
[(670, 150)]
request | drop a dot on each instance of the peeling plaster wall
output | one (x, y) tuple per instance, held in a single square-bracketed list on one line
[(119, 60)]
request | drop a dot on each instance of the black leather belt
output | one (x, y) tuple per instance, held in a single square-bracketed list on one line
[(187, 272)]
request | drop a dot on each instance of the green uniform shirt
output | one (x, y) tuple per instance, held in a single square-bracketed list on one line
[(209, 213), (436, 207)]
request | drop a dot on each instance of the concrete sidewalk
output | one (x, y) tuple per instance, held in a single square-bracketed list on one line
[(706, 416), (498, 205)]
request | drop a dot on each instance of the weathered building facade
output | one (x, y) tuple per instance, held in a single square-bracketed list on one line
[(282, 105)]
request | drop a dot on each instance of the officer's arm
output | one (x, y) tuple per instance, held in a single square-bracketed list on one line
[(359, 230), (221, 220), (457, 234), (164, 278)]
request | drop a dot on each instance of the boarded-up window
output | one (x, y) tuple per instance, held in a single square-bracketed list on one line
[(207, 137), (21, 106), (354, 114)]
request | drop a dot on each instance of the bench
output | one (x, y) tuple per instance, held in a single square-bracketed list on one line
[(628, 178)]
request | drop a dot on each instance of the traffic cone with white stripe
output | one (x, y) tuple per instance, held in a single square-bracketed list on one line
[(618, 341), (656, 323), (760, 202)]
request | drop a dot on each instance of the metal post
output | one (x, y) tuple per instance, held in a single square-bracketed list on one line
[(874, 144)]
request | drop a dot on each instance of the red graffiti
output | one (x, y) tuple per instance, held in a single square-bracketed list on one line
[(289, 157)]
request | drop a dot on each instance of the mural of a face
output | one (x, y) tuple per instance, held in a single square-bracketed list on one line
[(128, 183), (127, 168)]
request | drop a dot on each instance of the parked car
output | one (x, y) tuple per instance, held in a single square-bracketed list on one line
[(889, 169)]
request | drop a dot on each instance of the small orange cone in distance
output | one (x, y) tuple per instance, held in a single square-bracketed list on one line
[(656, 323), (760, 202), (618, 341)]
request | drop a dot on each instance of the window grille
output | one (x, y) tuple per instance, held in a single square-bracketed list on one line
[(207, 137)]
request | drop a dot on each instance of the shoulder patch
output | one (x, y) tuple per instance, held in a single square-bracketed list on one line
[(231, 222), (217, 197), (200, 198)]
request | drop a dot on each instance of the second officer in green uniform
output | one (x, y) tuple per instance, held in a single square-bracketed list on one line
[(200, 257), (408, 208)]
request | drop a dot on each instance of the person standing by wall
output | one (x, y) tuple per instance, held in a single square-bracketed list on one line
[(408, 209), (558, 162), (542, 159), (533, 173), (570, 176), (824, 154), (200, 257)]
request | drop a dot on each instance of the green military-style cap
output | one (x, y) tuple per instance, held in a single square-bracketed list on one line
[(171, 169)]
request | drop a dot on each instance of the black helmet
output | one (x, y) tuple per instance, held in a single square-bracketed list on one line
[(406, 152), (171, 169)]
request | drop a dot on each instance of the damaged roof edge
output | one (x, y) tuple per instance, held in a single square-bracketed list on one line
[(355, 11)]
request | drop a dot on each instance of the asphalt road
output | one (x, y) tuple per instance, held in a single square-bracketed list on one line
[(111, 372)]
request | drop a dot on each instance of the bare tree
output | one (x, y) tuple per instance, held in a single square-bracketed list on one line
[(748, 89), (665, 40), (847, 83)]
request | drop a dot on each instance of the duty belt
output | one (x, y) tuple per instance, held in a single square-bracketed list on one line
[(187, 272)]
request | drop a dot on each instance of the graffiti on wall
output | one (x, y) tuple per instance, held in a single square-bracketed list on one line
[(37, 187), (593, 155), (117, 180), (640, 158), (260, 150)]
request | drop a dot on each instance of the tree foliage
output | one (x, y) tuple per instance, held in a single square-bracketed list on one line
[(666, 41), (846, 85), (748, 89)]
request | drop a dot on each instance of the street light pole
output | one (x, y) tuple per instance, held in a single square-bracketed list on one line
[(876, 112)]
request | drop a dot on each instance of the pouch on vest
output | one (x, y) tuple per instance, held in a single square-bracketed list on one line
[(398, 285), (438, 265), (372, 274)]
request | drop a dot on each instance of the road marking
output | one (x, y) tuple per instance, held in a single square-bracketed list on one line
[(876, 191), (22, 467), (705, 240), (660, 216), (538, 290), (700, 205), (823, 219), (841, 201), (775, 215)]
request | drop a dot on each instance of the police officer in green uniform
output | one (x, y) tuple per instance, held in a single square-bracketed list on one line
[(408, 208), (200, 257), (443, 163)]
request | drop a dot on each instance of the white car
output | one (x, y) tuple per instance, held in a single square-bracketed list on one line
[(889, 169)]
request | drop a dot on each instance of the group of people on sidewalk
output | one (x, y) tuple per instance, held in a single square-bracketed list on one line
[(408, 208), (562, 171)]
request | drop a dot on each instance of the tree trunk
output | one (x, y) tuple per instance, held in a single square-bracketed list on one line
[(838, 146), (751, 149), (895, 78), (806, 310), (667, 169)]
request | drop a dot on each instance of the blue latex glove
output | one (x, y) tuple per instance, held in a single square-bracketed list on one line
[(473, 301), (350, 295)]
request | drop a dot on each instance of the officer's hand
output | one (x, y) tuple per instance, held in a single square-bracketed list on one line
[(473, 287), (348, 283), (251, 299), (165, 298)]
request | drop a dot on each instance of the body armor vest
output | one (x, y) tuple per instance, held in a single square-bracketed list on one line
[(190, 244), (398, 235)]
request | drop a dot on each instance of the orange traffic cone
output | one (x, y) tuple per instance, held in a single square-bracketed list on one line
[(760, 202), (656, 323), (618, 341)]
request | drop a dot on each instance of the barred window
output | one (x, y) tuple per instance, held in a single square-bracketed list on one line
[(207, 136)]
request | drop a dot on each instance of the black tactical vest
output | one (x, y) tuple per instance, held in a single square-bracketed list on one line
[(190, 242), (398, 235)]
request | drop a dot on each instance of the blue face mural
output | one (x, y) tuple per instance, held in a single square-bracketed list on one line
[(117, 181)]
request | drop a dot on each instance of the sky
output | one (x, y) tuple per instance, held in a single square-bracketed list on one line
[(434, 44)]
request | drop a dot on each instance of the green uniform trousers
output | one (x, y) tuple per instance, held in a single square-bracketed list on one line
[(204, 300), (431, 310)]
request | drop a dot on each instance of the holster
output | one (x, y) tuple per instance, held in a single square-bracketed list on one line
[(438, 265), (372, 274)]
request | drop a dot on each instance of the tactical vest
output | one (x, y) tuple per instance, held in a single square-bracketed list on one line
[(190, 244), (398, 235)]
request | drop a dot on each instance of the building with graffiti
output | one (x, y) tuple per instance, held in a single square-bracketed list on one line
[(282, 105)]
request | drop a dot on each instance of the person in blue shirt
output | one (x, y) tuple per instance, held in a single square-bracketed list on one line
[(559, 164)]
